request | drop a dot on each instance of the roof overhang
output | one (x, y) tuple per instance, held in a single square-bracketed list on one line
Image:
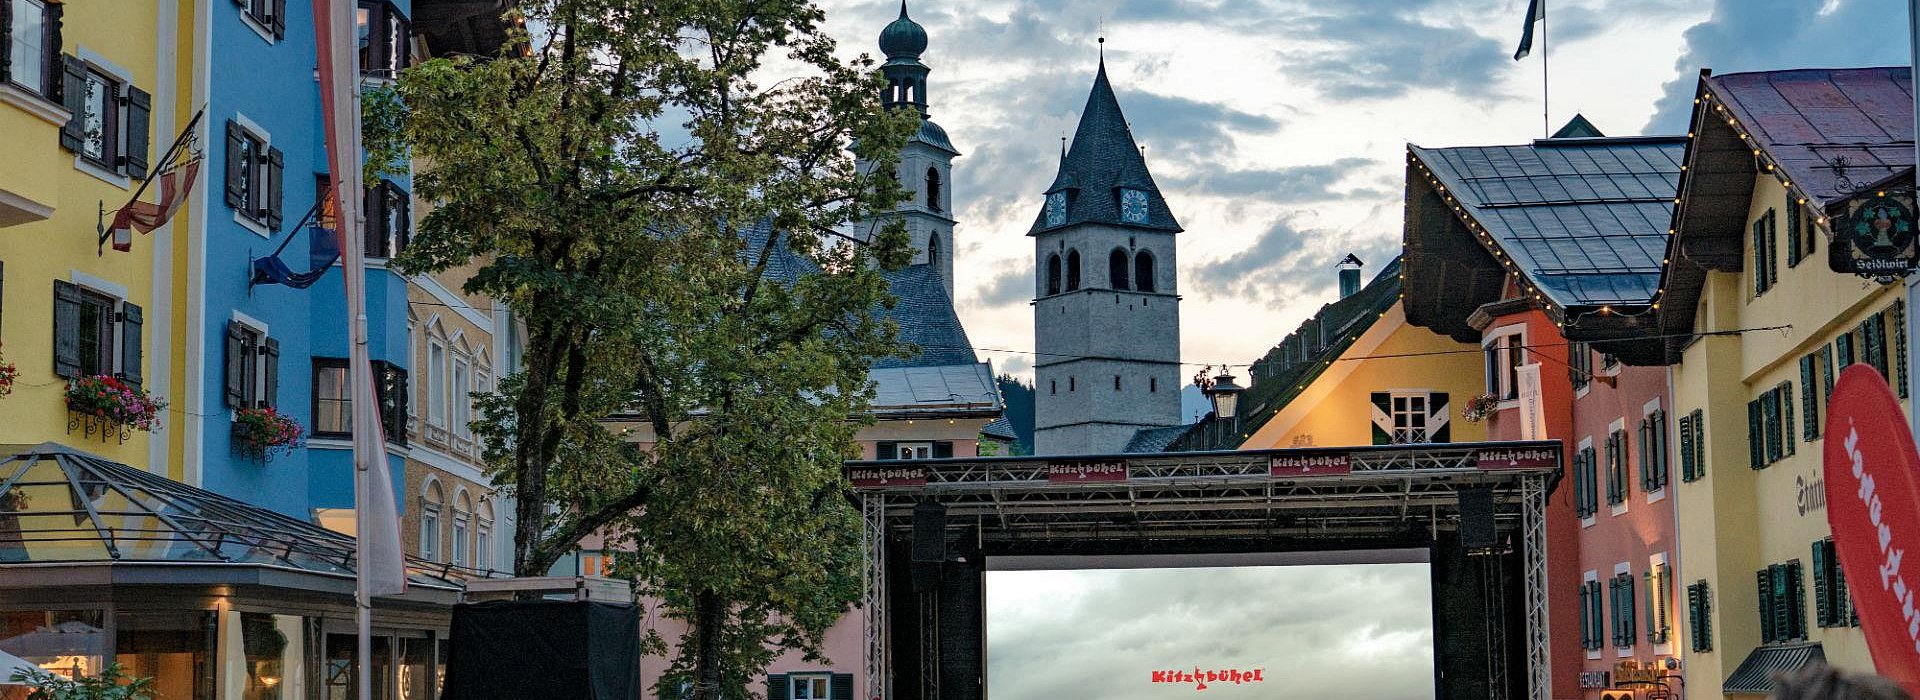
[(1449, 271), (203, 574), (1709, 216)]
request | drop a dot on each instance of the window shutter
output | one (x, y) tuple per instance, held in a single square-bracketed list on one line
[(275, 176), (1382, 417), (1899, 315), (1809, 401), (66, 329), (887, 450), (942, 449), (1796, 601), (1794, 251), (1766, 607), (1822, 598), (842, 686), (1580, 485), (6, 41), (1785, 399), (1756, 436), (1694, 615), (279, 19), (1628, 608), (236, 166), (51, 53), (139, 119), (73, 93), (132, 325), (270, 372), (1843, 613), (1770, 424), (374, 201), (1773, 251), (405, 220), (1586, 621), (1439, 428), (777, 686), (236, 365), (1843, 348), (1873, 341)]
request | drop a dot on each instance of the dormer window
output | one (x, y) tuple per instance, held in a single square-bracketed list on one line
[(1133, 206), (1056, 208)]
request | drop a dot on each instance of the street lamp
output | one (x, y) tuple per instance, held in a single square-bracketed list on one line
[(1224, 394)]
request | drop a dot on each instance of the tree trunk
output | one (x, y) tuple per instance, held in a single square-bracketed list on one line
[(709, 612), (530, 462)]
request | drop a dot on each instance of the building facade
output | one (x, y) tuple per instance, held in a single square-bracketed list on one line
[(1106, 309)]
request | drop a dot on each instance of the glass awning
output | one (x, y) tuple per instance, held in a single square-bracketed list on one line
[(61, 505)]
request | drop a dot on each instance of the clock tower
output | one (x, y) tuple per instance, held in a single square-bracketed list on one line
[(1106, 308)]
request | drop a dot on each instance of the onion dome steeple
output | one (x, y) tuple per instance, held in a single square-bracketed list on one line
[(903, 40)]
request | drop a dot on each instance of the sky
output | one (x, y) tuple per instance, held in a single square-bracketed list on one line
[(1277, 129), (1311, 630)]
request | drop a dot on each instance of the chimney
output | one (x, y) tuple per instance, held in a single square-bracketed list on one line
[(1349, 275)]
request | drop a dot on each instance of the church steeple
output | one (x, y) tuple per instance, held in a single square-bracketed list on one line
[(1103, 178), (903, 40)]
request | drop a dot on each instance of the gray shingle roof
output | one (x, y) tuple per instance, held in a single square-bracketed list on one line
[(1586, 219), (1102, 159), (1156, 439), (1000, 428), (948, 388)]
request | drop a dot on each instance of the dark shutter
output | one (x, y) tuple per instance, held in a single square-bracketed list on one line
[(1686, 448), (50, 55), (132, 325), (1586, 627), (1773, 251), (139, 119), (1822, 600), (279, 19), (66, 329), (942, 449), (236, 365), (236, 167), (1382, 417), (270, 372), (374, 204), (887, 450), (276, 166), (1767, 633), (1786, 414), (1437, 414), (1899, 314), (1794, 251), (842, 686), (1756, 436), (1809, 401), (6, 41), (777, 686), (1796, 601), (1843, 349), (1580, 494), (73, 92)]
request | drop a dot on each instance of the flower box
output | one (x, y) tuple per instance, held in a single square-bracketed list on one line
[(112, 406), (265, 432)]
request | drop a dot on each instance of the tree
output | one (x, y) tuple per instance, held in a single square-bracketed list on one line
[(663, 225), (111, 684)]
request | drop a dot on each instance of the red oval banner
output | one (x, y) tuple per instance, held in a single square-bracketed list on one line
[(1873, 506)]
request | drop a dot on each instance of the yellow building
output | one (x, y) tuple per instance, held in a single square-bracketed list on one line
[(1757, 326), (84, 114)]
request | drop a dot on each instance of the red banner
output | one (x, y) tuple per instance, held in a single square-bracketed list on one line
[(1083, 472), (1873, 506), (1518, 458), (1324, 464), (877, 477)]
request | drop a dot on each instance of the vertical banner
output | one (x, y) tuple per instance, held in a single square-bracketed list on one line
[(1873, 506), (1533, 414)]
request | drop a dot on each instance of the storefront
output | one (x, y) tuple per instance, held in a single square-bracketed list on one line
[(102, 563)]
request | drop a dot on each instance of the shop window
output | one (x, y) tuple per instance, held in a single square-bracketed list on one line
[(1653, 451), (95, 334), (417, 670), (1832, 607), (1699, 616), (1783, 605), (271, 661), (253, 367), (175, 648), (66, 643)]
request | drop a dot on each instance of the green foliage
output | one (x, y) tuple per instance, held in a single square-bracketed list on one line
[(111, 684), (602, 182)]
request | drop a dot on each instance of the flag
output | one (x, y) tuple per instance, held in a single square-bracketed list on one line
[(175, 183), (1536, 11), (382, 566)]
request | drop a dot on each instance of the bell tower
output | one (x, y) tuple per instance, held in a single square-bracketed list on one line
[(926, 162)]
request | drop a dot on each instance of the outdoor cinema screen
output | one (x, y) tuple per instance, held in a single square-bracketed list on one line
[(1062, 628)]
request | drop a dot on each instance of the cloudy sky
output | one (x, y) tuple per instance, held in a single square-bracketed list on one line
[(1277, 128), (1310, 629)]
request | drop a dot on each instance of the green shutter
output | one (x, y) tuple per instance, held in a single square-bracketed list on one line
[(1899, 315), (1795, 252), (1629, 631), (132, 342), (1699, 444), (1767, 635), (1663, 466), (1822, 599), (1796, 600), (1770, 426), (1809, 400), (1773, 251), (777, 686), (842, 686), (1687, 473), (1843, 349), (1826, 372), (1784, 392), (1873, 342), (1586, 622), (1759, 257)]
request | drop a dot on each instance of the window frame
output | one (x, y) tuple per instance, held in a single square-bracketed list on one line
[(344, 402), (112, 114), (824, 680), (430, 511), (1505, 351), (383, 42), (106, 343), (1400, 403), (48, 55), (913, 450)]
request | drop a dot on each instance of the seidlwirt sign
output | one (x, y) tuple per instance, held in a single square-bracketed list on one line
[(1873, 507), (1874, 235)]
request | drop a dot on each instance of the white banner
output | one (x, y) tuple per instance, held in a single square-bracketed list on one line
[(1533, 414)]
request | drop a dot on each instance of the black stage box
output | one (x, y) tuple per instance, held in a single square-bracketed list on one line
[(529, 650)]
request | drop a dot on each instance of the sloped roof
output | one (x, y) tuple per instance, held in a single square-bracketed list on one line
[(1578, 128), (1156, 439), (1102, 159), (967, 388), (933, 135), (1805, 120), (1000, 428)]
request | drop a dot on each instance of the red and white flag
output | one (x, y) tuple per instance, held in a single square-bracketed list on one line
[(144, 217)]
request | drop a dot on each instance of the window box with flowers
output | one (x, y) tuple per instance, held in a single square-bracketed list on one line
[(105, 404), (265, 433), (8, 373), (1480, 408)]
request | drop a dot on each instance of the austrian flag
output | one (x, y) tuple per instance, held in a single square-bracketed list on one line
[(174, 186)]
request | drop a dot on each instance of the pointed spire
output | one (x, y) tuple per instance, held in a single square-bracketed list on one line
[(903, 9), (1103, 160)]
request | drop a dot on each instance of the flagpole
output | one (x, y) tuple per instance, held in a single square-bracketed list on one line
[(1546, 118)]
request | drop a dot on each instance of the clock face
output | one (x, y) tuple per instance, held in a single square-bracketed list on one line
[(1056, 209), (1133, 206)]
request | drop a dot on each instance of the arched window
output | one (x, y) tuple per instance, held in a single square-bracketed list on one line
[(483, 538), (1143, 271), (1117, 269), (1073, 270), (933, 249), (430, 505), (1053, 273), (933, 189), (462, 525)]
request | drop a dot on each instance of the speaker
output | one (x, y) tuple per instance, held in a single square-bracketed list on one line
[(929, 532), (1477, 531)]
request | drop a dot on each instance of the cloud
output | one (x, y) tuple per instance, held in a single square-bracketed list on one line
[(1286, 261), (1753, 35), (1377, 49), (1282, 184), (1014, 286)]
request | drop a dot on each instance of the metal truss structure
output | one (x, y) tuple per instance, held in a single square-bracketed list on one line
[(1346, 496)]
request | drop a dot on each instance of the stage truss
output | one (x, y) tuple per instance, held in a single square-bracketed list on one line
[(1350, 494)]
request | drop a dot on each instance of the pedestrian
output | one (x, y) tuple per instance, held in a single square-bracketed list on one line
[(1823, 682)]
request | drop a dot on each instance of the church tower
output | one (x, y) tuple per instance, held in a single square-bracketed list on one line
[(1106, 308), (926, 162)]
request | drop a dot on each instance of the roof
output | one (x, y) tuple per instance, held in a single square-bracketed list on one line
[(931, 134), (1102, 159), (946, 390), (61, 505), (1756, 674), (1000, 428), (1156, 439), (1578, 128)]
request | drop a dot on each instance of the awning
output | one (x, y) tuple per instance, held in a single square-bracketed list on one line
[(1757, 673)]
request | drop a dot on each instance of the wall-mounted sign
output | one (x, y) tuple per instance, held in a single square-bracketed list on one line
[(1517, 458), (1596, 679), (1085, 472), (880, 477), (1810, 495), (1324, 464), (1874, 236), (1627, 672)]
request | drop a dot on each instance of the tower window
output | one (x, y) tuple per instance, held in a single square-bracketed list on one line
[(1073, 270), (933, 249), (1071, 385), (1053, 274), (1053, 386), (933, 189), (1142, 271), (1116, 382), (1117, 269), (1153, 384)]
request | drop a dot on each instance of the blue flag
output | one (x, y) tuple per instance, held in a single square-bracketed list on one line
[(1536, 11)]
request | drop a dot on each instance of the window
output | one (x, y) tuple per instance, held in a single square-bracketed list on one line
[(333, 399), (938, 449), (1053, 274), (483, 537), (31, 50), (1591, 616), (253, 367), (1796, 248), (1653, 451), (1117, 269), (933, 249), (255, 172), (430, 504), (108, 126), (462, 397), (933, 188), (1586, 482), (1505, 353), (436, 384), (1693, 446), (1053, 386), (1699, 609), (1764, 274), (1621, 589), (1073, 270), (1072, 384), (389, 214), (1409, 418), (383, 35), (462, 524), (1153, 385), (1609, 360), (811, 686), (1579, 364), (95, 334), (1659, 591), (100, 119), (1617, 468), (269, 14), (1143, 271), (1831, 605), (1783, 607), (1116, 382), (1769, 426), (913, 450)]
